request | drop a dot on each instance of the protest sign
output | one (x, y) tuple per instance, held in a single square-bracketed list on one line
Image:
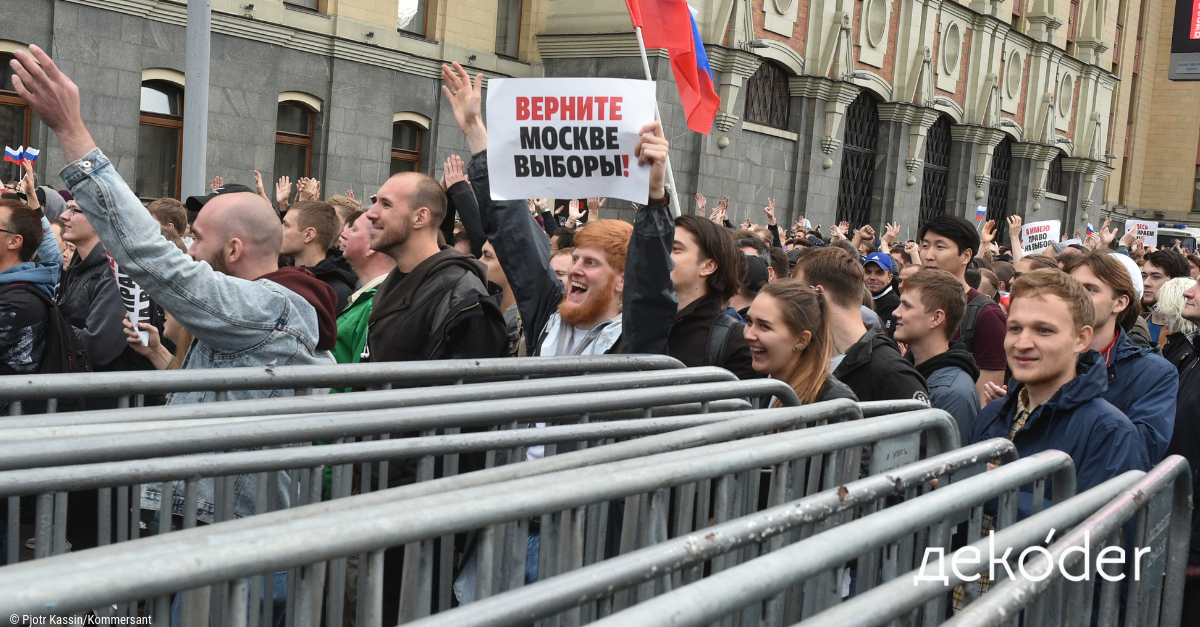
[(1146, 229), (137, 302), (567, 137), (1036, 236)]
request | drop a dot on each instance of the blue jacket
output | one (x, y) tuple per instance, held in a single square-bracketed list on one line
[(44, 270), (1077, 420), (1143, 386)]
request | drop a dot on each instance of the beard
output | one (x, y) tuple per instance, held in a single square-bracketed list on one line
[(596, 303), (392, 238)]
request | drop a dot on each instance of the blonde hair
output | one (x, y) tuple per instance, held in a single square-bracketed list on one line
[(1170, 305)]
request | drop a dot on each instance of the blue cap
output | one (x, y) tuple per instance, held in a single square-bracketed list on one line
[(884, 261)]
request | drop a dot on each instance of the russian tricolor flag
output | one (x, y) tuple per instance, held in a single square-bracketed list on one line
[(13, 156), (980, 213), (669, 24), (30, 154), (1090, 230)]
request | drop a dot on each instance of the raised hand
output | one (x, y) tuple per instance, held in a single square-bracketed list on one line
[(770, 211), (989, 232), (1014, 228), (701, 202), (651, 149), (258, 185), (217, 182), (466, 100), (573, 211), (594, 205), (350, 194), (1106, 234), (309, 189), (890, 233), (283, 191), (453, 171), (867, 232), (1129, 238), (53, 97)]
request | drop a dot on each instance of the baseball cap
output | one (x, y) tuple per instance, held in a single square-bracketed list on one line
[(880, 259), (195, 203)]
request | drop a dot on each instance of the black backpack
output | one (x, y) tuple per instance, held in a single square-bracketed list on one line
[(966, 328), (62, 353), (718, 337)]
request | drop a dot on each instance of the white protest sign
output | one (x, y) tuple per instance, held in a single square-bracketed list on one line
[(1036, 236), (1146, 229), (567, 137), (1073, 240), (137, 302)]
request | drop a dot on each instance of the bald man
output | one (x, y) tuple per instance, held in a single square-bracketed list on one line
[(228, 290)]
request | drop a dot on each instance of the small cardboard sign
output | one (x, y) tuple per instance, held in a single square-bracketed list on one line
[(1036, 236), (1146, 229), (567, 137)]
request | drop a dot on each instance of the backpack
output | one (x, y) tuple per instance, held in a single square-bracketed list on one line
[(718, 337), (966, 328), (63, 352)]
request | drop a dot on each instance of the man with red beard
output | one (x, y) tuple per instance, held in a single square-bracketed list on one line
[(601, 308)]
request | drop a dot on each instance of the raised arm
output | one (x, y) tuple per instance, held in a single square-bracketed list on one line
[(649, 302)]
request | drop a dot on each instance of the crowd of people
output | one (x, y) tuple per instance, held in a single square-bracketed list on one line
[(1085, 348)]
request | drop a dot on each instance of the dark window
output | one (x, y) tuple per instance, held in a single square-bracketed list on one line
[(160, 141), (937, 169), (312, 5), (997, 197), (1054, 176), (406, 147), (293, 141), (14, 118), (1196, 192), (768, 97), (858, 161), (508, 28), (410, 16)]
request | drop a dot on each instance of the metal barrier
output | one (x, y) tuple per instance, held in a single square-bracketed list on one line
[(62, 450), (304, 379), (724, 477), (900, 597), (668, 565), (806, 577), (1053, 588), (381, 399)]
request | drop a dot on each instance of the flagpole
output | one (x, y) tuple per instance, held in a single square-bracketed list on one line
[(658, 118)]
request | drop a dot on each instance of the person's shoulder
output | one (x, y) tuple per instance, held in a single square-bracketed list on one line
[(835, 389), (24, 303)]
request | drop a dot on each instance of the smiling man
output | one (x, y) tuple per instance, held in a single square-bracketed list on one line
[(1056, 398), (877, 276), (950, 243)]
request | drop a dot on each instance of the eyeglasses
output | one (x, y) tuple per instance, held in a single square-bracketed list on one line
[(9, 232)]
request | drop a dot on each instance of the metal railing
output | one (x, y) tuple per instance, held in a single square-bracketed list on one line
[(1056, 585), (726, 475), (127, 387), (373, 400), (62, 449), (596, 589), (801, 579)]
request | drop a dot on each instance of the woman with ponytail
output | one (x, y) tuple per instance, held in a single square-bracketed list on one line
[(790, 339)]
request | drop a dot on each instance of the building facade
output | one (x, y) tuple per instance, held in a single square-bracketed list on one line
[(868, 111)]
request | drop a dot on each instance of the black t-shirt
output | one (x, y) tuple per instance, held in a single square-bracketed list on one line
[(886, 303)]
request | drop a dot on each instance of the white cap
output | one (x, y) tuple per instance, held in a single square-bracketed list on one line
[(1135, 272)]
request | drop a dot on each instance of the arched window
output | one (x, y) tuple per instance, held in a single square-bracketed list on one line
[(293, 141), (768, 97), (160, 140), (858, 161), (406, 147), (937, 169), (1054, 176), (14, 118), (997, 197)]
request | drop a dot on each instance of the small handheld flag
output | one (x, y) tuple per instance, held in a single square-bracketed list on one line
[(13, 156), (1090, 230), (980, 213), (30, 154)]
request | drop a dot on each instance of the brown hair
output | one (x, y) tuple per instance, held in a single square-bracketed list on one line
[(428, 193), (173, 237), (940, 290), (1040, 261), (805, 309), (27, 223), (611, 236), (315, 214), (715, 243), (1114, 275), (1057, 283), (169, 211), (839, 274), (562, 251)]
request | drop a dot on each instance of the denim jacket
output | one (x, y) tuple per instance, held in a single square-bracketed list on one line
[(235, 322)]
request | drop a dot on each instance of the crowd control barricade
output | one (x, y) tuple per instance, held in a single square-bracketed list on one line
[(373, 400), (680, 490), (302, 380), (582, 595), (1056, 585), (803, 578), (63, 450)]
